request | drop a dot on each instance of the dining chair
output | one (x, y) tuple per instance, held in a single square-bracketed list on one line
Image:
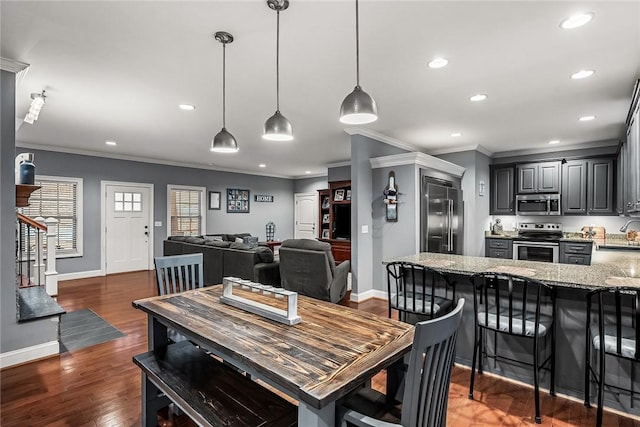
[(179, 273), (618, 321), (426, 390), (516, 306), (418, 290)]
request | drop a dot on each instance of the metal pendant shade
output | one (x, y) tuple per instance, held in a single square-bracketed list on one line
[(358, 107), (224, 142), (278, 127)]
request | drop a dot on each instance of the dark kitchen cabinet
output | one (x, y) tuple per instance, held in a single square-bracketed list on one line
[(502, 192), (574, 187), (543, 177), (576, 253), (587, 187), (498, 248), (631, 157)]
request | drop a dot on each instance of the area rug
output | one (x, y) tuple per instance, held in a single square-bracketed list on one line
[(84, 328)]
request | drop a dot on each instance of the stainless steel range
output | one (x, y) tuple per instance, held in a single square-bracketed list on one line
[(537, 242)]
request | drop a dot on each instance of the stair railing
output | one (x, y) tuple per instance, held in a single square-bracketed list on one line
[(30, 252)]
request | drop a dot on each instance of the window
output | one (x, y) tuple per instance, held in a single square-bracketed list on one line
[(127, 202), (59, 198), (185, 210)]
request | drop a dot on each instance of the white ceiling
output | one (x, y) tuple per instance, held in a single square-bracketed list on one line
[(117, 70)]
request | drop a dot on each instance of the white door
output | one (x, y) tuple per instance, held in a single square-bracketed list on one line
[(127, 228), (306, 215)]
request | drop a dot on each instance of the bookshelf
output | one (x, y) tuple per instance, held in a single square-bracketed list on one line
[(334, 217)]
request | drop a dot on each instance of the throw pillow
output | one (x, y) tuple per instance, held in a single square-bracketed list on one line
[(239, 240), (196, 240), (178, 238), (251, 241), (264, 254), (240, 246)]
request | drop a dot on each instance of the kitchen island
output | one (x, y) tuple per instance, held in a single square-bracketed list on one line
[(571, 284)]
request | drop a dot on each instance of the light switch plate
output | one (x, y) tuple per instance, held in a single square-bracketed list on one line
[(365, 229), (158, 224)]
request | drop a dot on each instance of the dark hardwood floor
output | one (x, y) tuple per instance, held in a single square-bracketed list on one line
[(100, 385)]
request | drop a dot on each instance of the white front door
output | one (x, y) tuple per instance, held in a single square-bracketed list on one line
[(306, 215), (127, 228)]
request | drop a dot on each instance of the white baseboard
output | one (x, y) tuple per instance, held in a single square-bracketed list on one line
[(27, 354), (80, 275), (372, 293)]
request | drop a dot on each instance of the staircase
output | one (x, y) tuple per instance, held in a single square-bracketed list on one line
[(35, 242)]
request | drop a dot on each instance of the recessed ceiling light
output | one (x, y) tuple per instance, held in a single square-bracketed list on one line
[(307, 172), (456, 134), (187, 107), (113, 143), (582, 74), (555, 141), (438, 63), (478, 97), (587, 118), (576, 21), (262, 165)]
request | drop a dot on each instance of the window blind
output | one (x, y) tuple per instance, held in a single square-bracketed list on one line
[(59, 200), (186, 211)]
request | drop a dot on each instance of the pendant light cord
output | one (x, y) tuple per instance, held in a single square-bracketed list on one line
[(224, 85), (357, 48), (278, 61)]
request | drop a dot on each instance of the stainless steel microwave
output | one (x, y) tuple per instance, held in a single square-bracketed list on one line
[(538, 204)]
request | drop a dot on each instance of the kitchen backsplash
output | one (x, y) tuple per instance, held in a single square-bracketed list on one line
[(570, 224)]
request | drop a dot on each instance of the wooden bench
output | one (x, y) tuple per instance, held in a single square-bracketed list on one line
[(211, 393)]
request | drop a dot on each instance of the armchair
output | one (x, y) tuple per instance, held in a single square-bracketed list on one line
[(307, 267)]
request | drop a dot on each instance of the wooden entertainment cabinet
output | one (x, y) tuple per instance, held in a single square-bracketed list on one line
[(334, 218)]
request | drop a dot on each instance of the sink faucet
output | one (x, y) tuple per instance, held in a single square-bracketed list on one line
[(624, 227)]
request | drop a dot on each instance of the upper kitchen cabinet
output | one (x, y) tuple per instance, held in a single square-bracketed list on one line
[(587, 187), (543, 177), (631, 157), (502, 190)]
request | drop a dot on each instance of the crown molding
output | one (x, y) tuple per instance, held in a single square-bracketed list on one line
[(556, 148), (146, 160), (12, 66), (477, 147), (382, 138), (418, 159), (314, 175), (339, 164)]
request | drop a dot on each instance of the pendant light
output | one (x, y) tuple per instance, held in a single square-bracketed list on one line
[(358, 107), (277, 127), (224, 142)]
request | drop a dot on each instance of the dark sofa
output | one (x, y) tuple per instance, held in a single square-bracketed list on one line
[(224, 255)]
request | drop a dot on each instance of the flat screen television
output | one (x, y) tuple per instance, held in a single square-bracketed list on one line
[(342, 222)]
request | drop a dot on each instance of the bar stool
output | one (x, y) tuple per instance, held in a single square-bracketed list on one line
[(618, 320), (518, 306), (419, 290)]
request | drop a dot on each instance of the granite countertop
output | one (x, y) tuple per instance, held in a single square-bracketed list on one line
[(608, 268)]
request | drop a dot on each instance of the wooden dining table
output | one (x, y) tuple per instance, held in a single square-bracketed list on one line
[(331, 352)]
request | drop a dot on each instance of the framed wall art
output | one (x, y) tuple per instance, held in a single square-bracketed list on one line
[(214, 200), (238, 200)]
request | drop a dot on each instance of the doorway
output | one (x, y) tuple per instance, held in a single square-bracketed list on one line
[(127, 238), (306, 215)]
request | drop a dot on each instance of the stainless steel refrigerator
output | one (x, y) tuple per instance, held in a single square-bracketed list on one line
[(442, 217)]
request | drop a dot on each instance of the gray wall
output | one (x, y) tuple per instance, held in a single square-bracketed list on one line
[(476, 207), (13, 336), (95, 169), (393, 239), (363, 149), (341, 173), (310, 185)]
